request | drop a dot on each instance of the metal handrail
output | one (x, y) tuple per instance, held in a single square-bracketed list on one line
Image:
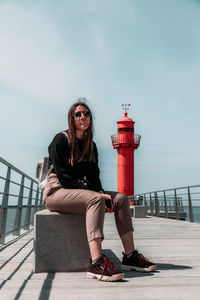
[(23, 212), (3, 161), (181, 203)]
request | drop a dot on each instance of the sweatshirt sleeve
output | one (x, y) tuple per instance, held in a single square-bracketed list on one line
[(59, 154), (94, 176)]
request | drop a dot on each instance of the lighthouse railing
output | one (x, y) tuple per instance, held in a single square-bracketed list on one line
[(119, 138), (182, 203), (20, 198)]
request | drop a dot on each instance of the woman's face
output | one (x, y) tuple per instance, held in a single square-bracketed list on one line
[(82, 118)]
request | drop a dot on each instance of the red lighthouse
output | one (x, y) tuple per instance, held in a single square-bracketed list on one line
[(126, 142)]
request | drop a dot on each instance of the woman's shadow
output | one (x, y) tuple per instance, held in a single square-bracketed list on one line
[(160, 266)]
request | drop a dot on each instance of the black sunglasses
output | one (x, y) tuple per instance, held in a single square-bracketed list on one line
[(78, 114)]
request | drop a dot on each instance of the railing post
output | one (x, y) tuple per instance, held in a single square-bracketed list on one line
[(190, 206), (166, 209), (41, 200), (28, 211), (151, 204), (170, 205), (18, 216), (157, 206), (36, 203), (145, 203), (4, 207), (176, 205), (181, 205)]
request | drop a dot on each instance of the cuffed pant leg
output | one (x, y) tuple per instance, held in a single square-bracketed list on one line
[(95, 217)]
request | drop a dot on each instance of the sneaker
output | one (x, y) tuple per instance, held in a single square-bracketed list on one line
[(104, 270), (136, 261)]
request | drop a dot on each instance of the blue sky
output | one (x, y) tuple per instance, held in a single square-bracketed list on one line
[(144, 52)]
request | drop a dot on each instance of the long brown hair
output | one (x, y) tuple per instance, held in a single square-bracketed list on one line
[(88, 152)]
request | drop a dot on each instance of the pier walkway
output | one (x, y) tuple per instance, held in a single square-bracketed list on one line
[(173, 245)]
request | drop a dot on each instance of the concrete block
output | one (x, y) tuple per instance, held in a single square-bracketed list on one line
[(138, 211), (60, 242)]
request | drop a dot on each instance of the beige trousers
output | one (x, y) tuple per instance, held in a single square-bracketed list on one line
[(79, 201)]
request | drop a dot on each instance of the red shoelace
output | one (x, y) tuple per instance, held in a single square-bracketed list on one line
[(107, 264)]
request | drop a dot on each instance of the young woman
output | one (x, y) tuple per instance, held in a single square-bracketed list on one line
[(74, 186)]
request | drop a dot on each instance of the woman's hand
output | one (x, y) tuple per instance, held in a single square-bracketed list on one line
[(108, 201), (106, 196)]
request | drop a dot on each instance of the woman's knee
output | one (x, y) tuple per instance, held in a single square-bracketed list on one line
[(120, 201), (121, 198), (97, 200)]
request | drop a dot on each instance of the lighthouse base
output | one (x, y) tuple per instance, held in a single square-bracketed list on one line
[(138, 211)]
